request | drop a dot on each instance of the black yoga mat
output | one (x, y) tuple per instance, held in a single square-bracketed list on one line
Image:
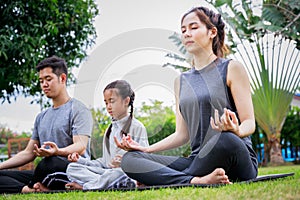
[(268, 177), (257, 179)]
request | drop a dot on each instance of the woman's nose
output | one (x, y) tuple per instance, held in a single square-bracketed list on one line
[(186, 34)]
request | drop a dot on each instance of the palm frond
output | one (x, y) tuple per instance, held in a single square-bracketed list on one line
[(275, 80)]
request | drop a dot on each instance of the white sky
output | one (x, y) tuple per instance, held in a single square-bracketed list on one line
[(116, 18)]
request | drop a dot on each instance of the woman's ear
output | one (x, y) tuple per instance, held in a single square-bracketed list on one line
[(213, 32)]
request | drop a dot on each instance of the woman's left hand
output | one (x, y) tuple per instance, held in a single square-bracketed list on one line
[(227, 122), (128, 144)]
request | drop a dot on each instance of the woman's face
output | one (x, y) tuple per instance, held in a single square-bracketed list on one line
[(195, 36)]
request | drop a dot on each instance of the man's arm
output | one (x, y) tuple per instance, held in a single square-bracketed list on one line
[(79, 145), (21, 158), (50, 148)]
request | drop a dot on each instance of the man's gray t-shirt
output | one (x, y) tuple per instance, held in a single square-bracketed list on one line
[(59, 125)]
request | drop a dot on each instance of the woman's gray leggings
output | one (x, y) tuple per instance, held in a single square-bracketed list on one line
[(227, 151)]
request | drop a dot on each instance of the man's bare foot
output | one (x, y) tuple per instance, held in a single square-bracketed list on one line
[(27, 189), (39, 187), (217, 176), (73, 186)]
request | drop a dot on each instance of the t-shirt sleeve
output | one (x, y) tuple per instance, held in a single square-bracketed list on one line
[(35, 135), (82, 121)]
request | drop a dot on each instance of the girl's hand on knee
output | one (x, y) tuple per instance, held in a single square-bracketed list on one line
[(73, 157), (116, 161)]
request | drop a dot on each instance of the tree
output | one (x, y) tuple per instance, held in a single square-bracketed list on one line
[(284, 16), (291, 130), (33, 30)]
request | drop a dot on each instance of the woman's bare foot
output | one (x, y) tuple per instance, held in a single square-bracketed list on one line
[(217, 176), (39, 187), (27, 189), (73, 186)]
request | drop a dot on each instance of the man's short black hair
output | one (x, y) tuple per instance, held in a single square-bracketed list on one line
[(57, 64)]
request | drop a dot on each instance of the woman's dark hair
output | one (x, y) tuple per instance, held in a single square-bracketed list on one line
[(211, 19), (57, 64), (124, 90)]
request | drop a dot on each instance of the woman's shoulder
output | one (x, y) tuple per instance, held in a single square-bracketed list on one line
[(236, 71), (236, 68), (235, 64)]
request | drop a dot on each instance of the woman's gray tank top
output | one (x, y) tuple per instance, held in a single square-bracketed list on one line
[(201, 92)]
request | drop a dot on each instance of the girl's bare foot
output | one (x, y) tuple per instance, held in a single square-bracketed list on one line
[(217, 176), (73, 186), (39, 187), (139, 184), (27, 189)]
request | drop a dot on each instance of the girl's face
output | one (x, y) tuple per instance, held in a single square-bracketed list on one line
[(116, 106), (195, 36)]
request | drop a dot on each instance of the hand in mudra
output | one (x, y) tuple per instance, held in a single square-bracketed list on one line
[(128, 144), (227, 122)]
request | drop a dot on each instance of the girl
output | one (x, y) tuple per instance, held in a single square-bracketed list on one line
[(105, 172), (221, 148)]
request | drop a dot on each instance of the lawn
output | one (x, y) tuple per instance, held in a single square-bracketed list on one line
[(285, 188)]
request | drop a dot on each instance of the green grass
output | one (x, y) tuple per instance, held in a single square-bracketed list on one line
[(285, 188)]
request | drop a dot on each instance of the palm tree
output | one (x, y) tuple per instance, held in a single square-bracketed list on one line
[(271, 58)]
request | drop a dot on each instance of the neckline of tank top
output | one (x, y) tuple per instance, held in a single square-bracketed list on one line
[(215, 61)]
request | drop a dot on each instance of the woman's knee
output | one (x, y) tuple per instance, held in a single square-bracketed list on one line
[(129, 158), (231, 140)]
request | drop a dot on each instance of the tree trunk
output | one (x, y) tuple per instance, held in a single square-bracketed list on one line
[(275, 152)]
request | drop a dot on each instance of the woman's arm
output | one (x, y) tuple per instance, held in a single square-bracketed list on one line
[(178, 138), (238, 82)]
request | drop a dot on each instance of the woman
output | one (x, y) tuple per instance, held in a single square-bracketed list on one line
[(221, 148)]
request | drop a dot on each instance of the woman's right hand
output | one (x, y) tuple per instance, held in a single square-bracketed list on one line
[(73, 157), (128, 144)]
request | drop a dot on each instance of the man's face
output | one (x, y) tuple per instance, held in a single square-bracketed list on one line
[(51, 84)]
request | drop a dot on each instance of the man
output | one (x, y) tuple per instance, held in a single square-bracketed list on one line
[(58, 131)]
